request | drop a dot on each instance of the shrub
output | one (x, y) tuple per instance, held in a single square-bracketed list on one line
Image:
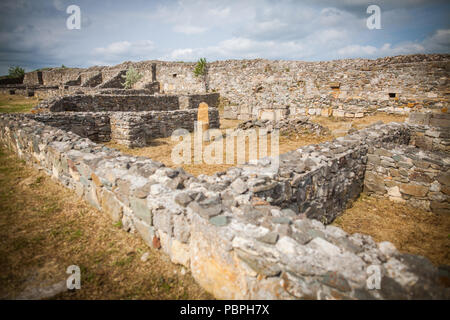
[(131, 78), (200, 68), (16, 72)]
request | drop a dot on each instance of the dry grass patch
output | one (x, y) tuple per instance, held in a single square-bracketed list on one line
[(17, 103), (410, 229), (161, 150), (44, 228)]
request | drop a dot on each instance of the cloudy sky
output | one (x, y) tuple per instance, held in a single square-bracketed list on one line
[(33, 33)]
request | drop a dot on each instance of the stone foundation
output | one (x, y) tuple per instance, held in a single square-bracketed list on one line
[(403, 174), (237, 244), (133, 129), (137, 129)]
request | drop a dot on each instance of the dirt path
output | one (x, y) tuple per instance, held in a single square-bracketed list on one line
[(44, 229)]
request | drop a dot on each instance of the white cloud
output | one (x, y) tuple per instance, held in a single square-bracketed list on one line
[(357, 50), (438, 42), (238, 48), (188, 29), (124, 50)]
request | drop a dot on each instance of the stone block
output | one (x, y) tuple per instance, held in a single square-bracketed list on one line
[(415, 190), (111, 205), (141, 209)]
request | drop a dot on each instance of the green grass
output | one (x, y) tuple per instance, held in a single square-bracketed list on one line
[(16, 104)]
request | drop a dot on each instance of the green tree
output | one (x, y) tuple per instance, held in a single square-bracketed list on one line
[(131, 78), (201, 70), (16, 72)]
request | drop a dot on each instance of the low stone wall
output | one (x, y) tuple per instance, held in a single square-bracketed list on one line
[(106, 102), (41, 92), (327, 106), (5, 80), (114, 81), (137, 129), (149, 91), (212, 99), (95, 126), (404, 173), (431, 131), (236, 245), (33, 78), (320, 181), (133, 129)]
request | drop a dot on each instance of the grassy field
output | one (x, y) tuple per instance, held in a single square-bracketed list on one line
[(44, 228), (16, 103)]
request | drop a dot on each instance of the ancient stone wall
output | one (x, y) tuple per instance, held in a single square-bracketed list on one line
[(114, 81), (320, 181), (404, 174), (137, 129), (236, 245), (277, 89), (5, 80), (431, 131), (211, 99), (33, 78), (254, 86), (95, 126), (106, 102)]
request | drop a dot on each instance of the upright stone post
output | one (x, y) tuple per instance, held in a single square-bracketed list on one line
[(153, 72), (203, 118)]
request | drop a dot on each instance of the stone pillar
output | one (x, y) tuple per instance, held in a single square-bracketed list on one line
[(153, 72), (203, 117)]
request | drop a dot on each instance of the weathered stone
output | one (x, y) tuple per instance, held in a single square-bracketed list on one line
[(239, 186), (335, 280), (146, 232), (261, 266), (183, 199), (219, 221), (141, 209), (205, 212), (111, 205), (269, 238), (414, 189)]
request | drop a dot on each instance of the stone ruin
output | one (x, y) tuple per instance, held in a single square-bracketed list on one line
[(129, 117), (264, 89), (298, 125), (252, 232)]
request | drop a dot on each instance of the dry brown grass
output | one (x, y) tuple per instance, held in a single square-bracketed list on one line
[(16, 103), (161, 148), (410, 229), (44, 228)]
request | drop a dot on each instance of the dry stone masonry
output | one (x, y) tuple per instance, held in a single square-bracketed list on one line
[(274, 89), (419, 176), (252, 232), (232, 229)]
